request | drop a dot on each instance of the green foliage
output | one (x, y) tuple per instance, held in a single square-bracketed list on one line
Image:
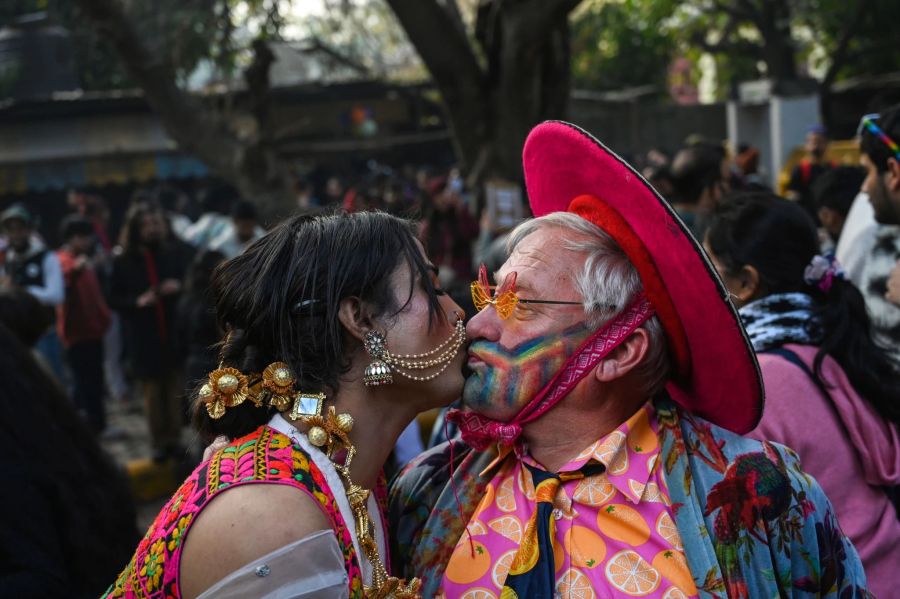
[(622, 44), (874, 44)]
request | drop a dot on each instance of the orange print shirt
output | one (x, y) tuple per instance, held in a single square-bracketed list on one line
[(615, 534)]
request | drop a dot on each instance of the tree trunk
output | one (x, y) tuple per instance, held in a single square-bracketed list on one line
[(779, 54), (254, 168), (522, 80)]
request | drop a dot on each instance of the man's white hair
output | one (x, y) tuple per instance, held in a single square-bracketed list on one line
[(608, 283)]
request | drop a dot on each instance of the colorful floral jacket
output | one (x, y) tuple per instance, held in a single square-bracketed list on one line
[(753, 524)]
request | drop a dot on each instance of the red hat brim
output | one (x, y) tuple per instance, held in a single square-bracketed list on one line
[(717, 376)]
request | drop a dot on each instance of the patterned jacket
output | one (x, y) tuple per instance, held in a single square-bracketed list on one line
[(752, 522)]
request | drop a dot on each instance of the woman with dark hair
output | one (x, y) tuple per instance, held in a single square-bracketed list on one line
[(832, 392), (448, 232), (337, 335), (67, 521), (145, 285)]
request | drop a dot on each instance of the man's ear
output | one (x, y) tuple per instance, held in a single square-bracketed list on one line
[(624, 358), (892, 180), (748, 284), (355, 317)]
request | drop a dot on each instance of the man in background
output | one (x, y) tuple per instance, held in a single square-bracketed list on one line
[(810, 168), (82, 320), (28, 264)]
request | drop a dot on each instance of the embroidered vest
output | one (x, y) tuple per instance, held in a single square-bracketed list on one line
[(262, 457)]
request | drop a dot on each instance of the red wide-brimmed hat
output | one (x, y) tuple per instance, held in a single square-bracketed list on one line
[(716, 374)]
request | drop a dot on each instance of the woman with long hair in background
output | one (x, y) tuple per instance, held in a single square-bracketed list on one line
[(832, 392)]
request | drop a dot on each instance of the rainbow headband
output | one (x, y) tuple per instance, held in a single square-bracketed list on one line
[(868, 121), (480, 432)]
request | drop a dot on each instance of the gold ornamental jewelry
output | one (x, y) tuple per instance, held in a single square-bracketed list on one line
[(278, 381), (377, 373), (331, 432), (226, 388), (380, 371)]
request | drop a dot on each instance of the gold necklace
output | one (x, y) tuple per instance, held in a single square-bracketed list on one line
[(329, 431)]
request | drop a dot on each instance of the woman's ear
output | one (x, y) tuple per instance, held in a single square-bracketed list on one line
[(355, 317), (748, 284)]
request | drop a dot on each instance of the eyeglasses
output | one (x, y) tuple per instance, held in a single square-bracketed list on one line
[(504, 298), (868, 122)]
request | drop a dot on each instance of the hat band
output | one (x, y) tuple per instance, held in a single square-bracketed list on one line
[(598, 212), (480, 432)]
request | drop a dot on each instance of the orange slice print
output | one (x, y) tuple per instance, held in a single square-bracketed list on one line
[(563, 503), (636, 487), (641, 438), (486, 501), (508, 526), (667, 530), (478, 593), (654, 494), (526, 485), (674, 593), (612, 453), (674, 568), (527, 556), (501, 568), (476, 528), (586, 453), (506, 497), (585, 547), (464, 568), (575, 585), (651, 463), (623, 523), (594, 490), (628, 572)]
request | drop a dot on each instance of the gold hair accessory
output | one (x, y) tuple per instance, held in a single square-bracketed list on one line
[(379, 372), (227, 388), (329, 431), (279, 382)]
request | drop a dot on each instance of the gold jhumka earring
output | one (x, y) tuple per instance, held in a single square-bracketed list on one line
[(379, 371)]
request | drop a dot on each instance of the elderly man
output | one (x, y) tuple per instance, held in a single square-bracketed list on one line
[(611, 380)]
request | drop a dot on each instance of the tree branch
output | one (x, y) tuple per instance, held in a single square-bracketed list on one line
[(840, 54), (197, 130), (454, 68)]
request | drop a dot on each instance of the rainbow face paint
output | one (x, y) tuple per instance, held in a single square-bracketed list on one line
[(507, 379)]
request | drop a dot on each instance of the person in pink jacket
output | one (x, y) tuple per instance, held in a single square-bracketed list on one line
[(832, 392)]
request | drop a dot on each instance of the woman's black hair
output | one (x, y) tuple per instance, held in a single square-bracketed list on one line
[(279, 300), (778, 238), (70, 522), (130, 236)]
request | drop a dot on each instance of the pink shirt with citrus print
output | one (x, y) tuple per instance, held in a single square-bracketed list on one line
[(615, 535)]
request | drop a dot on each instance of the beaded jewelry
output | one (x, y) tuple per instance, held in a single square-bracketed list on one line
[(380, 372)]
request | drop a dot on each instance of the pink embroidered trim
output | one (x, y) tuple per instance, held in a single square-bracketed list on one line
[(481, 432)]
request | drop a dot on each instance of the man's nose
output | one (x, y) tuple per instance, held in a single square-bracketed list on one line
[(484, 325)]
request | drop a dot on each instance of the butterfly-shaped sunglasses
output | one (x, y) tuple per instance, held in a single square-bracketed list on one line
[(504, 298)]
